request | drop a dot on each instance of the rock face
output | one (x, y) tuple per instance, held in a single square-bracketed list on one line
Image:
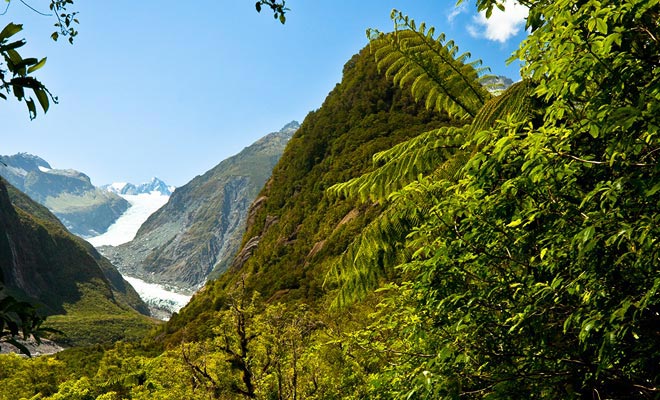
[(200, 228), (83, 208), (41, 262)]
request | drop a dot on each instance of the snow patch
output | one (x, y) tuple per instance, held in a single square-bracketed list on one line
[(126, 226), (117, 186), (44, 169)]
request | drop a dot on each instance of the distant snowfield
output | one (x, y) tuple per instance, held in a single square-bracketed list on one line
[(126, 226), (157, 295)]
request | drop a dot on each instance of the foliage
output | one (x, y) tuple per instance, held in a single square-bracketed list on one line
[(27, 377), (279, 9), (16, 72), (436, 73), (515, 254), (533, 273)]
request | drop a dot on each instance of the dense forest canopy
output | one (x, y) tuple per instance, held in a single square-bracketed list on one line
[(514, 253), (533, 271)]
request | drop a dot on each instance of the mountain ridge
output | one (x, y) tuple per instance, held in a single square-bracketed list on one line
[(41, 262), (154, 185), (83, 208), (199, 228)]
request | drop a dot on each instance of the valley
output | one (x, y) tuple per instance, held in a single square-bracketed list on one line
[(429, 231)]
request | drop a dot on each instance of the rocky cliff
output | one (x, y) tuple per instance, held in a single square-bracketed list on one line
[(199, 230)]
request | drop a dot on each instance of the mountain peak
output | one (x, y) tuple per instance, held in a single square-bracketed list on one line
[(154, 185), (291, 126), (24, 162)]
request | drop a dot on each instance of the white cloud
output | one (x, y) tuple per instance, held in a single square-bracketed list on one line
[(456, 11), (502, 25)]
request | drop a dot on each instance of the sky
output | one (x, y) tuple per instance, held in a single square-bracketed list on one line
[(171, 88)]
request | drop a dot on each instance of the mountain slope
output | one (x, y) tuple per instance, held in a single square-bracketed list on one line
[(295, 232), (40, 261), (69, 194), (200, 227)]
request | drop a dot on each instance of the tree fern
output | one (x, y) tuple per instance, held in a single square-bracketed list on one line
[(435, 158), (515, 103), (381, 245), (432, 67), (403, 163)]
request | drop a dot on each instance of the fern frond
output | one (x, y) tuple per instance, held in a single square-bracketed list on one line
[(381, 245), (437, 73), (425, 171), (403, 163)]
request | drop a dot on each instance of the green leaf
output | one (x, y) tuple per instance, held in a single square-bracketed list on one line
[(32, 109), (14, 57), (653, 190), (10, 30), (42, 96), (12, 45), (601, 25), (37, 65)]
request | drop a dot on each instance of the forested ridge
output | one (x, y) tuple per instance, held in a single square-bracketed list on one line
[(61, 276), (423, 238)]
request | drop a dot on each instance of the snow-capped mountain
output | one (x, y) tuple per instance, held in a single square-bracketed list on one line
[(201, 226), (154, 185)]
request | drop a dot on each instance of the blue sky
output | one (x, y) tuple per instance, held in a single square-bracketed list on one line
[(170, 88)]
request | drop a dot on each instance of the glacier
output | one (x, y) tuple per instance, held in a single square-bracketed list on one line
[(157, 296), (126, 226), (161, 301)]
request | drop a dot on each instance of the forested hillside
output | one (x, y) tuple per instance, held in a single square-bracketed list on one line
[(422, 238), (295, 232), (69, 281)]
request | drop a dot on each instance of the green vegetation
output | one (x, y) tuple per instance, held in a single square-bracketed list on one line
[(16, 72), (509, 254), (93, 319), (63, 276)]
